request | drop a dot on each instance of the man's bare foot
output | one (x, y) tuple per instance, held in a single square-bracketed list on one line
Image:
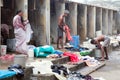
[(101, 59)]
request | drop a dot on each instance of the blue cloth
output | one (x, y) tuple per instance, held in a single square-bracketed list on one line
[(6, 74), (58, 52)]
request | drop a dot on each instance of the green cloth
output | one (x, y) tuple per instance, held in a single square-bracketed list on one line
[(84, 53)]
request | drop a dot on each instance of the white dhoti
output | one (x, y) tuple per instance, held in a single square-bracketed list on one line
[(22, 38)]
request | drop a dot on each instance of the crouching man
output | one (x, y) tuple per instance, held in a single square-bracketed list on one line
[(103, 47)]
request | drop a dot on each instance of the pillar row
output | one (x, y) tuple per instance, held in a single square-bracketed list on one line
[(72, 18), (105, 21), (91, 21), (82, 22)]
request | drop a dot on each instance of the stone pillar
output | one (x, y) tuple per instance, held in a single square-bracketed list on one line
[(98, 19), (110, 21), (105, 21), (47, 22), (57, 9), (114, 29), (82, 22), (91, 24), (44, 21), (118, 21), (72, 18), (40, 21)]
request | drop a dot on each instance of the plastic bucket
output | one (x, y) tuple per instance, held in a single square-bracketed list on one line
[(30, 53), (3, 49), (11, 44), (75, 41), (98, 53)]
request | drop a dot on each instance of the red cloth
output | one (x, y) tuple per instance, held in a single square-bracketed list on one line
[(73, 57), (67, 30), (7, 57)]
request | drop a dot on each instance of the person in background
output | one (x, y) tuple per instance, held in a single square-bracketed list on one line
[(20, 34), (103, 47), (4, 34), (61, 24)]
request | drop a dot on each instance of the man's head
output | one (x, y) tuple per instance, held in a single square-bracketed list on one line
[(66, 12), (93, 41), (19, 12)]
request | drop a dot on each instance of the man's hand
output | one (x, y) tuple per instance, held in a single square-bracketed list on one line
[(98, 46)]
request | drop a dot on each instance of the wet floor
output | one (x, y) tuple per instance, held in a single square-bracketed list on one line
[(112, 69)]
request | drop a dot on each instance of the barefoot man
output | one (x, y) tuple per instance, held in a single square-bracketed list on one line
[(61, 24), (103, 47)]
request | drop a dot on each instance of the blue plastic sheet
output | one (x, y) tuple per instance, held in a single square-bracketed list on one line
[(6, 74)]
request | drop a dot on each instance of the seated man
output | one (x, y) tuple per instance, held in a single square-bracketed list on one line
[(103, 47)]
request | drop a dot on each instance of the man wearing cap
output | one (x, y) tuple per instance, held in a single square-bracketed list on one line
[(61, 24)]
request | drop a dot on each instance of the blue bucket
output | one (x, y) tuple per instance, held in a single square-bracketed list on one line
[(75, 41)]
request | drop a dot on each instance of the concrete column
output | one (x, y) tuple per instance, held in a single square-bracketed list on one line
[(98, 19), (72, 18), (91, 21), (118, 21), (40, 21), (57, 9), (105, 21), (110, 21), (82, 22), (114, 29), (44, 21)]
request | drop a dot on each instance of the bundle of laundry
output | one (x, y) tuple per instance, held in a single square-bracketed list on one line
[(60, 69), (16, 68), (78, 76), (43, 51)]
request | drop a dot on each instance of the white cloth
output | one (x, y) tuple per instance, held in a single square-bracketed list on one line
[(21, 44), (28, 32), (22, 38), (44, 67)]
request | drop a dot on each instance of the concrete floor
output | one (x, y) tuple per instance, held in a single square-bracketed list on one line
[(112, 69)]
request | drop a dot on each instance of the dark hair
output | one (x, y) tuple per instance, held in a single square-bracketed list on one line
[(92, 41), (18, 11)]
